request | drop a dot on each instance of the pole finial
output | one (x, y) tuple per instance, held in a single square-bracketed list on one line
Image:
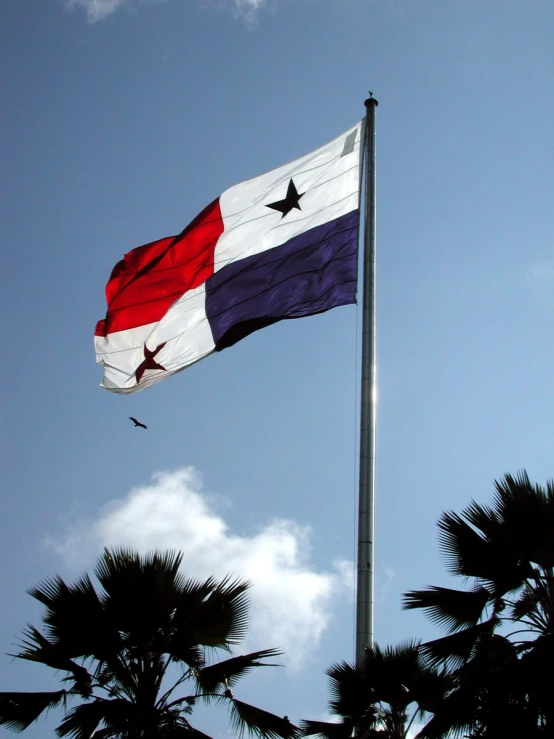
[(371, 100)]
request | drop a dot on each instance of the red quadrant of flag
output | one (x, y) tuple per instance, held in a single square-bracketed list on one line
[(148, 280)]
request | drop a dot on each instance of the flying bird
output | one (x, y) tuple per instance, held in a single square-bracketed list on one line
[(137, 423)]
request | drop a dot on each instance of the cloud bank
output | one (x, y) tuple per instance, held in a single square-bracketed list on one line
[(97, 10), (291, 600)]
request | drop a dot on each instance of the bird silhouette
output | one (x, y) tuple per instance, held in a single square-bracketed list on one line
[(137, 423)]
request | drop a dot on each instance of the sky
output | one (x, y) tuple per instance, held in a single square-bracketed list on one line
[(121, 120)]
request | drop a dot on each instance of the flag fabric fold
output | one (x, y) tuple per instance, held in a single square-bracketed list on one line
[(279, 246)]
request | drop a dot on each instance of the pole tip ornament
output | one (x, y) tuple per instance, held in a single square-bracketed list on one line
[(371, 100)]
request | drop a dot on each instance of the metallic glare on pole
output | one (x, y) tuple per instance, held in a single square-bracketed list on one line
[(364, 593)]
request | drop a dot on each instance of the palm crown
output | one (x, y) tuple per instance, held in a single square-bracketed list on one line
[(500, 642), (128, 651), (382, 695)]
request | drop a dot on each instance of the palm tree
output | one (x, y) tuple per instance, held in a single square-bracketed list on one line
[(500, 640), (127, 652), (381, 696)]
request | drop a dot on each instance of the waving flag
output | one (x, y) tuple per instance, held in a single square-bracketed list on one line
[(282, 245)]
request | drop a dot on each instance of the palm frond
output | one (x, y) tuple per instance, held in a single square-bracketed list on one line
[(104, 734), (123, 565), (82, 721), (514, 489), (399, 676), (19, 710), (220, 618), (469, 553), (181, 648), (210, 614), (403, 676), (484, 518), (36, 648), (493, 650), (228, 672), (75, 620), (351, 696), (526, 604), (453, 718), (140, 594), (451, 609), (184, 641), (402, 657), (389, 672), (327, 730), (454, 650), (430, 688), (462, 547), (457, 714), (527, 512), (256, 721), (178, 732), (119, 717), (50, 591)]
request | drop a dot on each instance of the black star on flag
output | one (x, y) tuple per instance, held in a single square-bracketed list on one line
[(149, 362), (290, 201)]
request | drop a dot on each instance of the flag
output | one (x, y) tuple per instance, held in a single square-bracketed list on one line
[(279, 246)]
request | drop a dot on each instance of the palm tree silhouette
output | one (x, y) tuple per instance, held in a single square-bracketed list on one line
[(127, 652), (500, 642), (382, 696)]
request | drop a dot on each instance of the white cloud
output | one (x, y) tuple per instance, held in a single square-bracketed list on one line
[(97, 10), (291, 600), (248, 9)]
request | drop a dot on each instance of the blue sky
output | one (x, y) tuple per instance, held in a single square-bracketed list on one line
[(121, 121)]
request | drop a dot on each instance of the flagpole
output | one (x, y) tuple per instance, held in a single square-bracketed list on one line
[(364, 592)]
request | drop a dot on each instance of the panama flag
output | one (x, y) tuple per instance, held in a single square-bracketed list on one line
[(282, 245)]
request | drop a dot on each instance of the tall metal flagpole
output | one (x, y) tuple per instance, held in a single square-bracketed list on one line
[(364, 596)]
